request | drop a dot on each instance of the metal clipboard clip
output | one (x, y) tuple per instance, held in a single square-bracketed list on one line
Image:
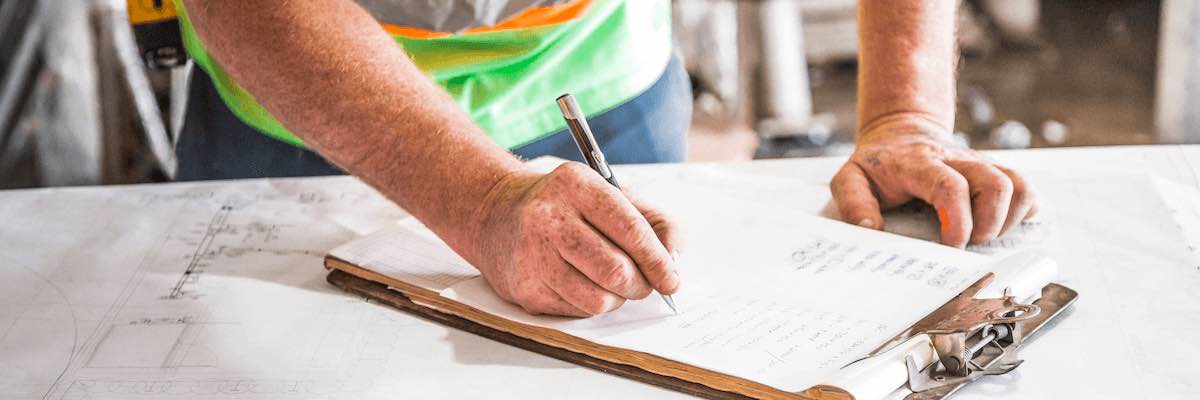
[(974, 337)]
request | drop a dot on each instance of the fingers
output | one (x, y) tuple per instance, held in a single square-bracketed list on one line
[(544, 300), (664, 227), (947, 190), (976, 200), (621, 223), (581, 292), (607, 209), (854, 199), (600, 261), (991, 193), (1023, 204)]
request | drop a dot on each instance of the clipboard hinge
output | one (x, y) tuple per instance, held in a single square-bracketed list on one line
[(973, 338)]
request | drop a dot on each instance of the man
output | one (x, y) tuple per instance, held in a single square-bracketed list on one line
[(424, 100)]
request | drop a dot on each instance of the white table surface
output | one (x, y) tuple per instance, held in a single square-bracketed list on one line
[(215, 290)]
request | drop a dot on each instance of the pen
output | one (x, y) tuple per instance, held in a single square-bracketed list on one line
[(577, 124)]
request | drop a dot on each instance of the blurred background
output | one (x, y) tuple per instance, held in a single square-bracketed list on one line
[(92, 91)]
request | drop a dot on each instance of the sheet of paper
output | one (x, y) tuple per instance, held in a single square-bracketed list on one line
[(82, 268), (214, 291), (1118, 240), (411, 254), (1122, 225), (1127, 241), (781, 303)]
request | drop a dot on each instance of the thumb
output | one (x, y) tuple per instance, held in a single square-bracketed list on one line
[(854, 199)]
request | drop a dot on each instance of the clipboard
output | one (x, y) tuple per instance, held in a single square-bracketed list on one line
[(972, 338), (379, 292)]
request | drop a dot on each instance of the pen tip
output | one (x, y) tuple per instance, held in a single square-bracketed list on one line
[(671, 303)]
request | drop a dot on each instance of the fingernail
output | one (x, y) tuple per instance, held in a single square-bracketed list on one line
[(867, 223), (674, 255)]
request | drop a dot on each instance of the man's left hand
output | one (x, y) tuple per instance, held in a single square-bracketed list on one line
[(905, 158)]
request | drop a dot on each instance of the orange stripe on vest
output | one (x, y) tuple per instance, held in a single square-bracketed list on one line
[(531, 18)]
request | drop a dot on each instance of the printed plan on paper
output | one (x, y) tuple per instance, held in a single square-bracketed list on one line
[(216, 290)]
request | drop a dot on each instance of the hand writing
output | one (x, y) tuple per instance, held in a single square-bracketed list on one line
[(568, 243)]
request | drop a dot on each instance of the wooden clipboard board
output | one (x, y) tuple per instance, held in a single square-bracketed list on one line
[(1054, 299), (380, 292)]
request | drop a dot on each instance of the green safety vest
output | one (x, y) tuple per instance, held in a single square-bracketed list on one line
[(505, 70)]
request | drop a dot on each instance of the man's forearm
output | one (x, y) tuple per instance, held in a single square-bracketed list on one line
[(906, 61), (332, 76)]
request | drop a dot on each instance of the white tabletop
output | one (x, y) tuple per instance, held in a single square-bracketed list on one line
[(215, 290)]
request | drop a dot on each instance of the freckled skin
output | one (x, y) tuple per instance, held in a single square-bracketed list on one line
[(573, 255), (564, 243), (905, 113), (568, 243)]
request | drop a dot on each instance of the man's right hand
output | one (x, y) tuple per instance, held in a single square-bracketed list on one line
[(568, 243), (563, 243)]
